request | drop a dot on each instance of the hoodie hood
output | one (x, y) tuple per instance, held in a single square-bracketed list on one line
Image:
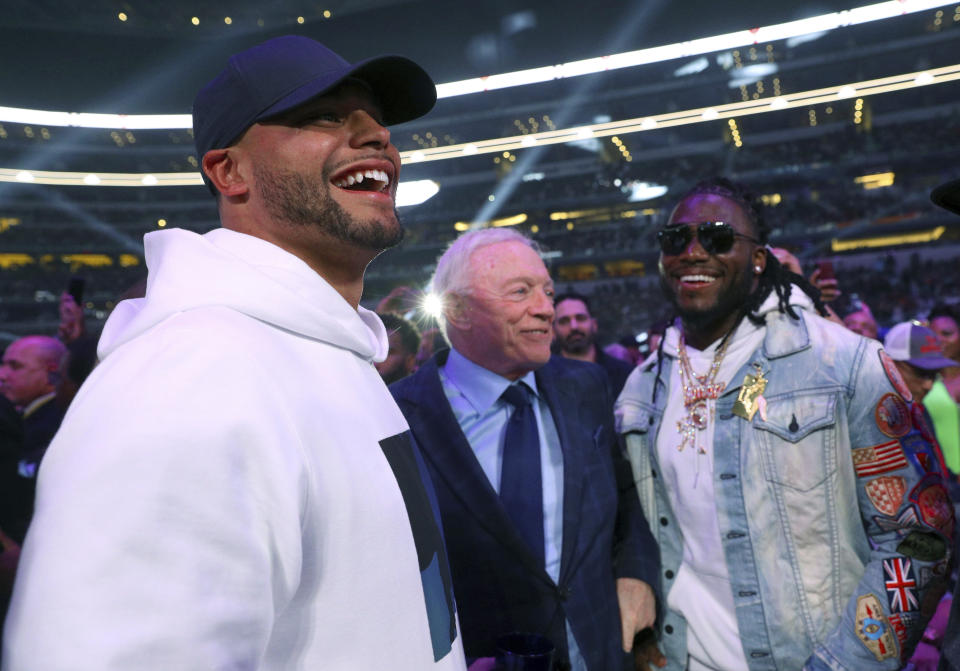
[(240, 272)]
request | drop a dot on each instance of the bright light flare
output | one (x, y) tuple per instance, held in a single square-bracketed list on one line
[(432, 305)]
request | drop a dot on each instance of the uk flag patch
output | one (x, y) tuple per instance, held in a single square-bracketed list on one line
[(901, 585)]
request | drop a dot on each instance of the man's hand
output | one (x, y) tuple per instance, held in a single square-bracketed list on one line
[(829, 287), (638, 608), (71, 319), (646, 654), (9, 559)]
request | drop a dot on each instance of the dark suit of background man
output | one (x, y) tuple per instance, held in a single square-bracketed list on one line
[(588, 587), (29, 375)]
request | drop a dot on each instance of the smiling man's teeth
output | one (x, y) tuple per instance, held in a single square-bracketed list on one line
[(358, 177), (697, 278)]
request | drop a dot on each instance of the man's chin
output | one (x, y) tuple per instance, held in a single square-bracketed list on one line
[(577, 348), (379, 235)]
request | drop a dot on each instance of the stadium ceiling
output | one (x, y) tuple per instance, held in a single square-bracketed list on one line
[(153, 58)]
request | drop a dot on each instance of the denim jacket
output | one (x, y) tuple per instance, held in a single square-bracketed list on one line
[(832, 512)]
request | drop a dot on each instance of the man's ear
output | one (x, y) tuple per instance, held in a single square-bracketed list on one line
[(760, 259), (53, 373), (456, 311), (221, 168)]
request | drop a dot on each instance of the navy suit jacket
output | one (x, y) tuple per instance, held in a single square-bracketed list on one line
[(498, 584)]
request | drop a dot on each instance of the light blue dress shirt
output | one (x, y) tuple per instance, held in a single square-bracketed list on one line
[(474, 395)]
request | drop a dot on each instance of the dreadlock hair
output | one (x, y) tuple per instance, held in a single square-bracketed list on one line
[(775, 277)]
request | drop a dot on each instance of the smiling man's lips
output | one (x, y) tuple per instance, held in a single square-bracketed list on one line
[(697, 279)]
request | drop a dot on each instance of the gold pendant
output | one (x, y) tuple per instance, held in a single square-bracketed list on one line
[(750, 398)]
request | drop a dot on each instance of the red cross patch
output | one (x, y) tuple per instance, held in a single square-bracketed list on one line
[(886, 493)]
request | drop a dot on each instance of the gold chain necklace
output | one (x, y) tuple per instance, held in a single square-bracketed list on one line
[(697, 390)]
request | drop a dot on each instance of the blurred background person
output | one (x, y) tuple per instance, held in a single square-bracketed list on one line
[(404, 344), (575, 336), (916, 351), (431, 342), (861, 321), (29, 375), (940, 401), (72, 323), (944, 322), (822, 278), (402, 300)]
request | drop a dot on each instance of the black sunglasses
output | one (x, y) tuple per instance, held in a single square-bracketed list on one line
[(716, 237)]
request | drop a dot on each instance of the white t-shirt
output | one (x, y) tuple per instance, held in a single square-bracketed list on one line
[(701, 592)]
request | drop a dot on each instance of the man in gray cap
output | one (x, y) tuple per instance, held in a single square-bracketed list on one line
[(234, 487), (916, 351)]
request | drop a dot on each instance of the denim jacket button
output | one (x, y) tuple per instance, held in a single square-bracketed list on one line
[(663, 521), (668, 629), (668, 574)]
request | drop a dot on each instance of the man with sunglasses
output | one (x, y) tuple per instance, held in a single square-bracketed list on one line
[(798, 502)]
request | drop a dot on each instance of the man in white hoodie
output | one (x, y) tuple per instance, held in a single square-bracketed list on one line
[(797, 491), (234, 487)]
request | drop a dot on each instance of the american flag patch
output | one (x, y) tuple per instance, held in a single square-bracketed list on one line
[(879, 459), (900, 584)]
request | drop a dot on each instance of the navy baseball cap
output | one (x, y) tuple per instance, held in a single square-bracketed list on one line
[(947, 196), (285, 72), (917, 345)]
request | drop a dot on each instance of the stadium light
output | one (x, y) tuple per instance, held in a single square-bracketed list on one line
[(575, 134), (781, 31), (416, 192)]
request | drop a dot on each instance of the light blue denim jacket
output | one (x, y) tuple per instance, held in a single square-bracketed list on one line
[(803, 542)]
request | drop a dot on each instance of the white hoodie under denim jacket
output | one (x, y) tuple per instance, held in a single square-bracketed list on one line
[(809, 554)]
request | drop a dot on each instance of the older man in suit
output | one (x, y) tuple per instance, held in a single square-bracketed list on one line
[(542, 524)]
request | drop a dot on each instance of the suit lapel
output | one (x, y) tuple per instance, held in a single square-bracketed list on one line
[(561, 396), (442, 442)]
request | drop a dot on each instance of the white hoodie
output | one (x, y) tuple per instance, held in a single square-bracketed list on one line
[(230, 488)]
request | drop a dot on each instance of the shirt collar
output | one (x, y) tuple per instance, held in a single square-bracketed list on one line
[(35, 404), (480, 386)]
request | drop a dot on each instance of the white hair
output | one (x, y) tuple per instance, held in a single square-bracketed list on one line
[(452, 273)]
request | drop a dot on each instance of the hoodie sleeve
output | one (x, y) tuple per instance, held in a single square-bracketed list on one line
[(167, 525)]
